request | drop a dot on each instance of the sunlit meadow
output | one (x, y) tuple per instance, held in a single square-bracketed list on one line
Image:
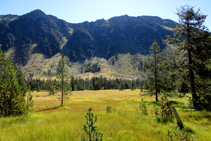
[(49, 121)]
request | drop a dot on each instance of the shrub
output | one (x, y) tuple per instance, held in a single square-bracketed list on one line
[(166, 112), (155, 111)]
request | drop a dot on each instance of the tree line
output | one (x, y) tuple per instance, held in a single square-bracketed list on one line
[(79, 84)]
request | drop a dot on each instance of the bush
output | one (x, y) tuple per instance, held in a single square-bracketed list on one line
[(165, 112), (165, 108)]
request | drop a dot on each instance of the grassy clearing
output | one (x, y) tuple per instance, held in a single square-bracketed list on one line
[(52, 122)]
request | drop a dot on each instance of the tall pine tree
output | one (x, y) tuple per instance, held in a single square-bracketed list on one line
[(193, 40), (153, 68), (63, 79)]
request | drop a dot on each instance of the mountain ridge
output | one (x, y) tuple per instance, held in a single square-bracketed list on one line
[(33, 33)]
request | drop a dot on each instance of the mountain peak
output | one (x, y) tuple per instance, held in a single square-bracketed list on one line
[(35, 14), (37, 11)]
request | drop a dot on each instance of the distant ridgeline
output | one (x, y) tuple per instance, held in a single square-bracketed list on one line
[(36, 36)]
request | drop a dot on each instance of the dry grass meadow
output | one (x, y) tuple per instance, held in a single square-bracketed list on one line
[(49, 121)]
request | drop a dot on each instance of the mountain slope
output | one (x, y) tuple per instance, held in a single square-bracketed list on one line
[(34, 32), (26, 38), (123, 34)]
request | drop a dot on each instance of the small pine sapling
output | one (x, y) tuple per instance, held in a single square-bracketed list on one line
[(143, 108), (90, 129), (109, 109)]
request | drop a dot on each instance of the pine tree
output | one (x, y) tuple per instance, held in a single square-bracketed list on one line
[(63, 79), (11, 100), (193, 40), (153, 67), (21, 81), (29, 101), (90, 127), (169, 71)]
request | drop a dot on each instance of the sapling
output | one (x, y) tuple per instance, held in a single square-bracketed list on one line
[(143, 108), (109, 109), (90, 127)]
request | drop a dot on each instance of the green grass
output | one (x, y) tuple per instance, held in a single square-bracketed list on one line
[(49, 121)]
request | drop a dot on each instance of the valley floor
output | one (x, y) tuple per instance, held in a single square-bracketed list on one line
[(49, 121)]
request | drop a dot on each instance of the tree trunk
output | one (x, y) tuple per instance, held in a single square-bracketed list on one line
[(192, 82), (179, 121), (191, 74), (156, 92)]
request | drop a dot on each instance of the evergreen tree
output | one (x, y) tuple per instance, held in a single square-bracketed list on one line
[(50, 87), (11, 100), (193, 40), (121, 85), (153, 67), (63, 79), (90, 128), (29, 101), (169, 71), (21, 81)]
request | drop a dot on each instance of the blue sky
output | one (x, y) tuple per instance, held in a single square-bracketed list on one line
[(75, 11)]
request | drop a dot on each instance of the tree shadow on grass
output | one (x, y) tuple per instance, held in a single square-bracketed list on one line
[(201, 116), (48, 109), (172, 102)]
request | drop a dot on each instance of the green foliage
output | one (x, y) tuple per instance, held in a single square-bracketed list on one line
[(90, 128), (193, 40), (110, 109), (21, 81), (180, 135), (155, 111), (143, 108), (153, 67), (63, 80), (166, 111), (79, 84), (11, 99), (121, 86), (160, 68), (50, 87), (29, 101)]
